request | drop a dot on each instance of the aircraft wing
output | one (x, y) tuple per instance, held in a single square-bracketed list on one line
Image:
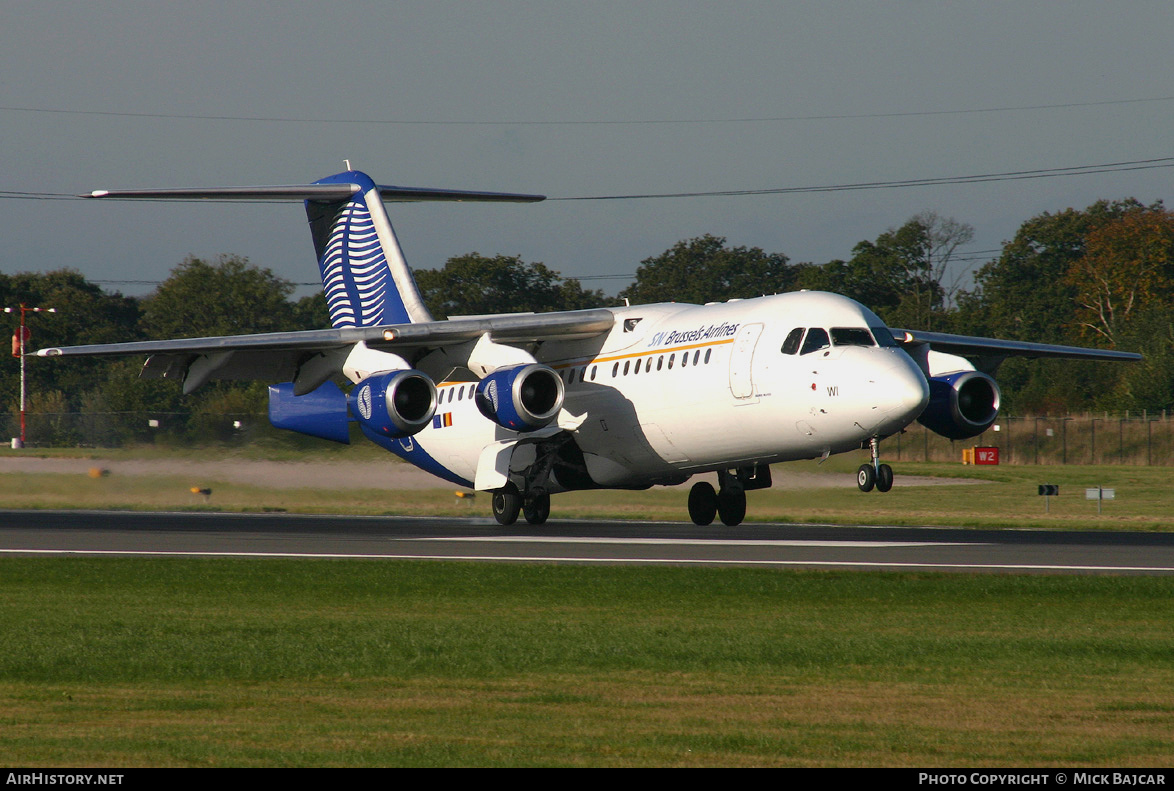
[(278, 356), (989, 352)]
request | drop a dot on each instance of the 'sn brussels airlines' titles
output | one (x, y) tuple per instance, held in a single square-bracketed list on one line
[(712, 332)]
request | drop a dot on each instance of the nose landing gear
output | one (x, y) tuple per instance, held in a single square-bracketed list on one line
[(874, 474)]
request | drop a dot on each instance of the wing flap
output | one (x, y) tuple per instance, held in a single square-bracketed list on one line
[(195, 369)]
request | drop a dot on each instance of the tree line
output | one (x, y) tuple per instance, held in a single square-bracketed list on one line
[(1101, 276)]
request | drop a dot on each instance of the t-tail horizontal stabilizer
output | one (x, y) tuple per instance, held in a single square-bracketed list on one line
[(365, 277), (318, 192)]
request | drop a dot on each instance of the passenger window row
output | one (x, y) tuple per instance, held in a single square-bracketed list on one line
[(586, 373), (457, 392), (662, 363)]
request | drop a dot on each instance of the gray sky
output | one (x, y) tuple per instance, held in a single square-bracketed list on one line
[(567, 99)]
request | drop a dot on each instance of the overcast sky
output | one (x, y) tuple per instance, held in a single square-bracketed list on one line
[(567, 99)]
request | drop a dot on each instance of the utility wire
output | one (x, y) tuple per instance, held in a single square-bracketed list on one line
[(1079, 170), (13, 195), (596, 122)]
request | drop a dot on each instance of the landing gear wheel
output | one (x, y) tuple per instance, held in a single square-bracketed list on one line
[(506, 504), (731, 506), (866, 477), (884, 478), (537, 510), (702, 503)]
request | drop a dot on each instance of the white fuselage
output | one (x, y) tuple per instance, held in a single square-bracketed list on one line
[(678, 389)]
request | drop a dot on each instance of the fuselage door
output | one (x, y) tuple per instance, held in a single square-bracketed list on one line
[(742, 359)]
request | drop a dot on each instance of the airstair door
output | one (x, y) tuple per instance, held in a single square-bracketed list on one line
[(742, 363)]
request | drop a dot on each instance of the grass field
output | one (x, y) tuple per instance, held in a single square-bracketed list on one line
[(124, 662), (181, 662), (1006, 497)]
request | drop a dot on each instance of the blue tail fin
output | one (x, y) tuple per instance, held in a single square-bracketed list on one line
[(364, 275)]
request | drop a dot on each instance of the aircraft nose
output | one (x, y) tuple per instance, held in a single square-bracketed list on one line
[(908, 389)]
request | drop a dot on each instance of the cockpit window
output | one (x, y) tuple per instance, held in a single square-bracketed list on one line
[(791, 344), (884, 336), (852, 336), (816, 339)]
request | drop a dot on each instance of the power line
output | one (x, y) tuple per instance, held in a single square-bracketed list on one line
[(970, 255), (1019, 175), (588, 122), (13, 195), (159, 282)]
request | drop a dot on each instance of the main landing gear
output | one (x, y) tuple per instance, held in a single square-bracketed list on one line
[(508, 502), (729, 502), (874, 474), (527, 493)]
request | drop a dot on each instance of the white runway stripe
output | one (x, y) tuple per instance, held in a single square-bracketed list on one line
[(693, 542), (644, 561)]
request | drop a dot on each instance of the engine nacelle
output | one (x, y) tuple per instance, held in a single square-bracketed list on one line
[(962, 404), (521, 398), (394, 403)]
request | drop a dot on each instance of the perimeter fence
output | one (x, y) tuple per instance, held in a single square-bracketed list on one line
[(120, 429), (1071, 439), (1046, 439)]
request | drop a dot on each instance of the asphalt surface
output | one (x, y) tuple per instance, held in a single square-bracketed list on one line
[(772, 545)]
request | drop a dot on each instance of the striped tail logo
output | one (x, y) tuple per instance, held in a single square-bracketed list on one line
[(365, 278), (355, 275)]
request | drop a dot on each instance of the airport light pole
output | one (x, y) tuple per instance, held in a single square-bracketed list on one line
[(18, 350)]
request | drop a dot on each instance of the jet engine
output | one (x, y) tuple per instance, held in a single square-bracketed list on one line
[(962, 404), (394, 403), (521, 398)]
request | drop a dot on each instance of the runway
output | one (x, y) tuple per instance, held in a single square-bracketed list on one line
[(562, 541)]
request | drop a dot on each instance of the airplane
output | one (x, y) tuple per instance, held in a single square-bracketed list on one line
[(530, 405)]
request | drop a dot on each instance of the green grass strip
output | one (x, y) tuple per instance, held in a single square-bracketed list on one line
[(189, 662)]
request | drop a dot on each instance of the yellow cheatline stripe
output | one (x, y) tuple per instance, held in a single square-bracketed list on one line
[(612, 358), (646, 353)]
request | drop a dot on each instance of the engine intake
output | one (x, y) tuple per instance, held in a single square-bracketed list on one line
[(961, 405), (521, 398), (395, 403)]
